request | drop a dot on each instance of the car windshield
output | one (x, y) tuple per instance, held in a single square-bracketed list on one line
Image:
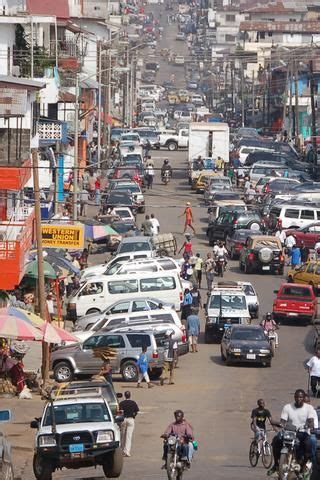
[(228, 302), (248, 334), (134, 247), (77, 413), (132, 187)]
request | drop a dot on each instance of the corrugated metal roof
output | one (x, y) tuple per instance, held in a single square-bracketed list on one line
[(291, 27), (59, 8), (278, 6)]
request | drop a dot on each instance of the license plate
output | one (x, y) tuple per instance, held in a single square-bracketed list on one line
[(266, 267), (292, 314), (76, 448), (251, 356)]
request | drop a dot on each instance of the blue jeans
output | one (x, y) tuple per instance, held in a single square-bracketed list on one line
[(313, 441), (98, 196)]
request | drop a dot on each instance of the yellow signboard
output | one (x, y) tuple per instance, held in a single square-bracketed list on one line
[(62, 236)]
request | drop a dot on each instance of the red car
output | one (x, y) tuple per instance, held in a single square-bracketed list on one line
[(237, 239), (309, 234), (295, 301)]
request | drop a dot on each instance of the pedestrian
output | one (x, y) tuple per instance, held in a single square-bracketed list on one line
[(97, 187), (186, 304), (155, 224), (188, 217), (50, 305), (198, 269), (149, 176), (196, 299), (281, 234), (187, 246), (143, 365), (106, 371), (289, 243), (304, 252), (193, 330), (209, 268), (84, 197), (186, 268), (295, 256), (169, 356), (130, 411), (314, 371), (83, 259), (147, 227)]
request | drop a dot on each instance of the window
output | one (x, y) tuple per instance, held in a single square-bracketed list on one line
[(154, 284), (116, 321), (307, 214), (123, 286), (139, 305), (262, 35), (76, 413), (144, 267), (114, 341), (92, 289), (166, 264), (230, 18), (310, 268), (139, 341), (163, 317), (291, 213), (230, 38), (153, 305), (122, 307)]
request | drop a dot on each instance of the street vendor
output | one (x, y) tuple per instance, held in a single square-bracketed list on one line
[(11, 364)]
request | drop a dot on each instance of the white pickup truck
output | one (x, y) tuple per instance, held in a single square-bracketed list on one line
[(172, 140)]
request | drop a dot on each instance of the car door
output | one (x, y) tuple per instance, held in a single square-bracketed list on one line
[(85, 359), (91, 298), (117, 343), (311, 235), (305, 273)]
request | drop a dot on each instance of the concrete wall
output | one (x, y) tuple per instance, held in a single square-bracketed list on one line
[(7, 39)]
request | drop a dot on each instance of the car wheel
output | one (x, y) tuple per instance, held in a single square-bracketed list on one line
[(172, 146), (129, 371), (228, 361), (113, 463), (63, 372), (223, 358), (246, 268), (93, 310), (268, 363), (42, 468), (207, 338), (155, 374)]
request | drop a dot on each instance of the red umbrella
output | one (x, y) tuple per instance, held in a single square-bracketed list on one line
[(15, 328), (53, 334)]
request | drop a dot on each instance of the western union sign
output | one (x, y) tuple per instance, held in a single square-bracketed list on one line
[(62, 236)]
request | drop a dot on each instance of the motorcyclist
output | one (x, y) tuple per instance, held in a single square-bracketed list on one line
[(269, 325), (219, 250), (301, 416), (166, 167), (184, 431)]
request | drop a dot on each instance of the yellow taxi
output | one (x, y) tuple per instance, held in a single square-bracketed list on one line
[(200, 183), (184, 96), (308, 273), (173, 98)]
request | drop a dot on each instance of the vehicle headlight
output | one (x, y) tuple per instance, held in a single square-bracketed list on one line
[(212, 320), (47, 441), (264, 350), (235, 350), (105, 436)]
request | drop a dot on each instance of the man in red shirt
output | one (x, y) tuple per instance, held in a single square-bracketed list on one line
[(182, 429)]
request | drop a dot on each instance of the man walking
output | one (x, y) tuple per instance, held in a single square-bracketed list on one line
[(193, 329), (147, 227), (143, 365), (209, 267), (155, 224), (130, 410), (198, 269), (169, 356), (314, 372)]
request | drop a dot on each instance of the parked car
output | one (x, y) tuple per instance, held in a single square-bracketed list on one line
[(83, 359), (135, 244), (227, 222), (262, 253), (309, 234), (295, 302), (245, 344), (307, 273), (237, 240)]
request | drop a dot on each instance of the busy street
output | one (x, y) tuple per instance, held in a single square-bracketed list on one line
[(163, 321)]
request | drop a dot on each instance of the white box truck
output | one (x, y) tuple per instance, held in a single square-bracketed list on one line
[(209, 140)]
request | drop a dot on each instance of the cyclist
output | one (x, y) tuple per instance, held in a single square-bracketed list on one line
[(259, 417)]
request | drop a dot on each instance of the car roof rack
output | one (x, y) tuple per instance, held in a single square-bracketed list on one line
[(62, 393)]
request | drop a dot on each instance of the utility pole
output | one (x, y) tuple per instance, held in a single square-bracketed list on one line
[(285, 98), (232, 87), (242, 95), (296, 104), (269, 96), (253, 97), (76, 153), (41, 284), (313, 116), (290, 104), (99, 103), (127, 99)]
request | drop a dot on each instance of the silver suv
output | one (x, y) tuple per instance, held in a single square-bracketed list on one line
[(77, 430), (83, 359)]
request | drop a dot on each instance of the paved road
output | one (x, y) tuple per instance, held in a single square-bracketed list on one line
[(216, 399)]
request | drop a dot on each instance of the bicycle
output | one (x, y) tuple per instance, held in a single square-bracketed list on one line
[(260, 447)]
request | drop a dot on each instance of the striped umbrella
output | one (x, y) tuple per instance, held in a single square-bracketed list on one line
[(53, 334), (97, 232), (25, 315), (18, 329)]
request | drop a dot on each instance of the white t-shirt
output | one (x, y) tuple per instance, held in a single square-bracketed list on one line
[(155, 225), (297, 416), (315, 418), (281, 235), (290, 241), (317, 246), (314, 365)]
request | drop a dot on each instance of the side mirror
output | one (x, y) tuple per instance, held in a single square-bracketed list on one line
[(119, 418), (34, 424), (119, 395), (275, 291), (209, 210), (5, 416)]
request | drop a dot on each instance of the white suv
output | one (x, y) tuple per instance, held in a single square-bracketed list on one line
[(77, 431)]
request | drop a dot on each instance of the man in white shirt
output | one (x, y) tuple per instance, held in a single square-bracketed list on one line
[(281, 234), (155, 225), (314, 372), (290, 241), (300, 415)]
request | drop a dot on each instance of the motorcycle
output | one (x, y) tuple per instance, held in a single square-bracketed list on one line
[(166, 177), (289, 467), (272, 337), (175, 466), (220, 266)]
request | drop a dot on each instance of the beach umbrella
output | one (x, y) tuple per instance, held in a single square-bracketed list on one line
[(97, 232), (53, 334), (18, 329), (31, 270), (25, 315)]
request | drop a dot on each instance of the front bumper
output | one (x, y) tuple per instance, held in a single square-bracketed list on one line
[(243, 357)]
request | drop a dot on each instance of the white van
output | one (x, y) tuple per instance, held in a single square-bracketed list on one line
[(121, 257), (97, 293), (294, 215)]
